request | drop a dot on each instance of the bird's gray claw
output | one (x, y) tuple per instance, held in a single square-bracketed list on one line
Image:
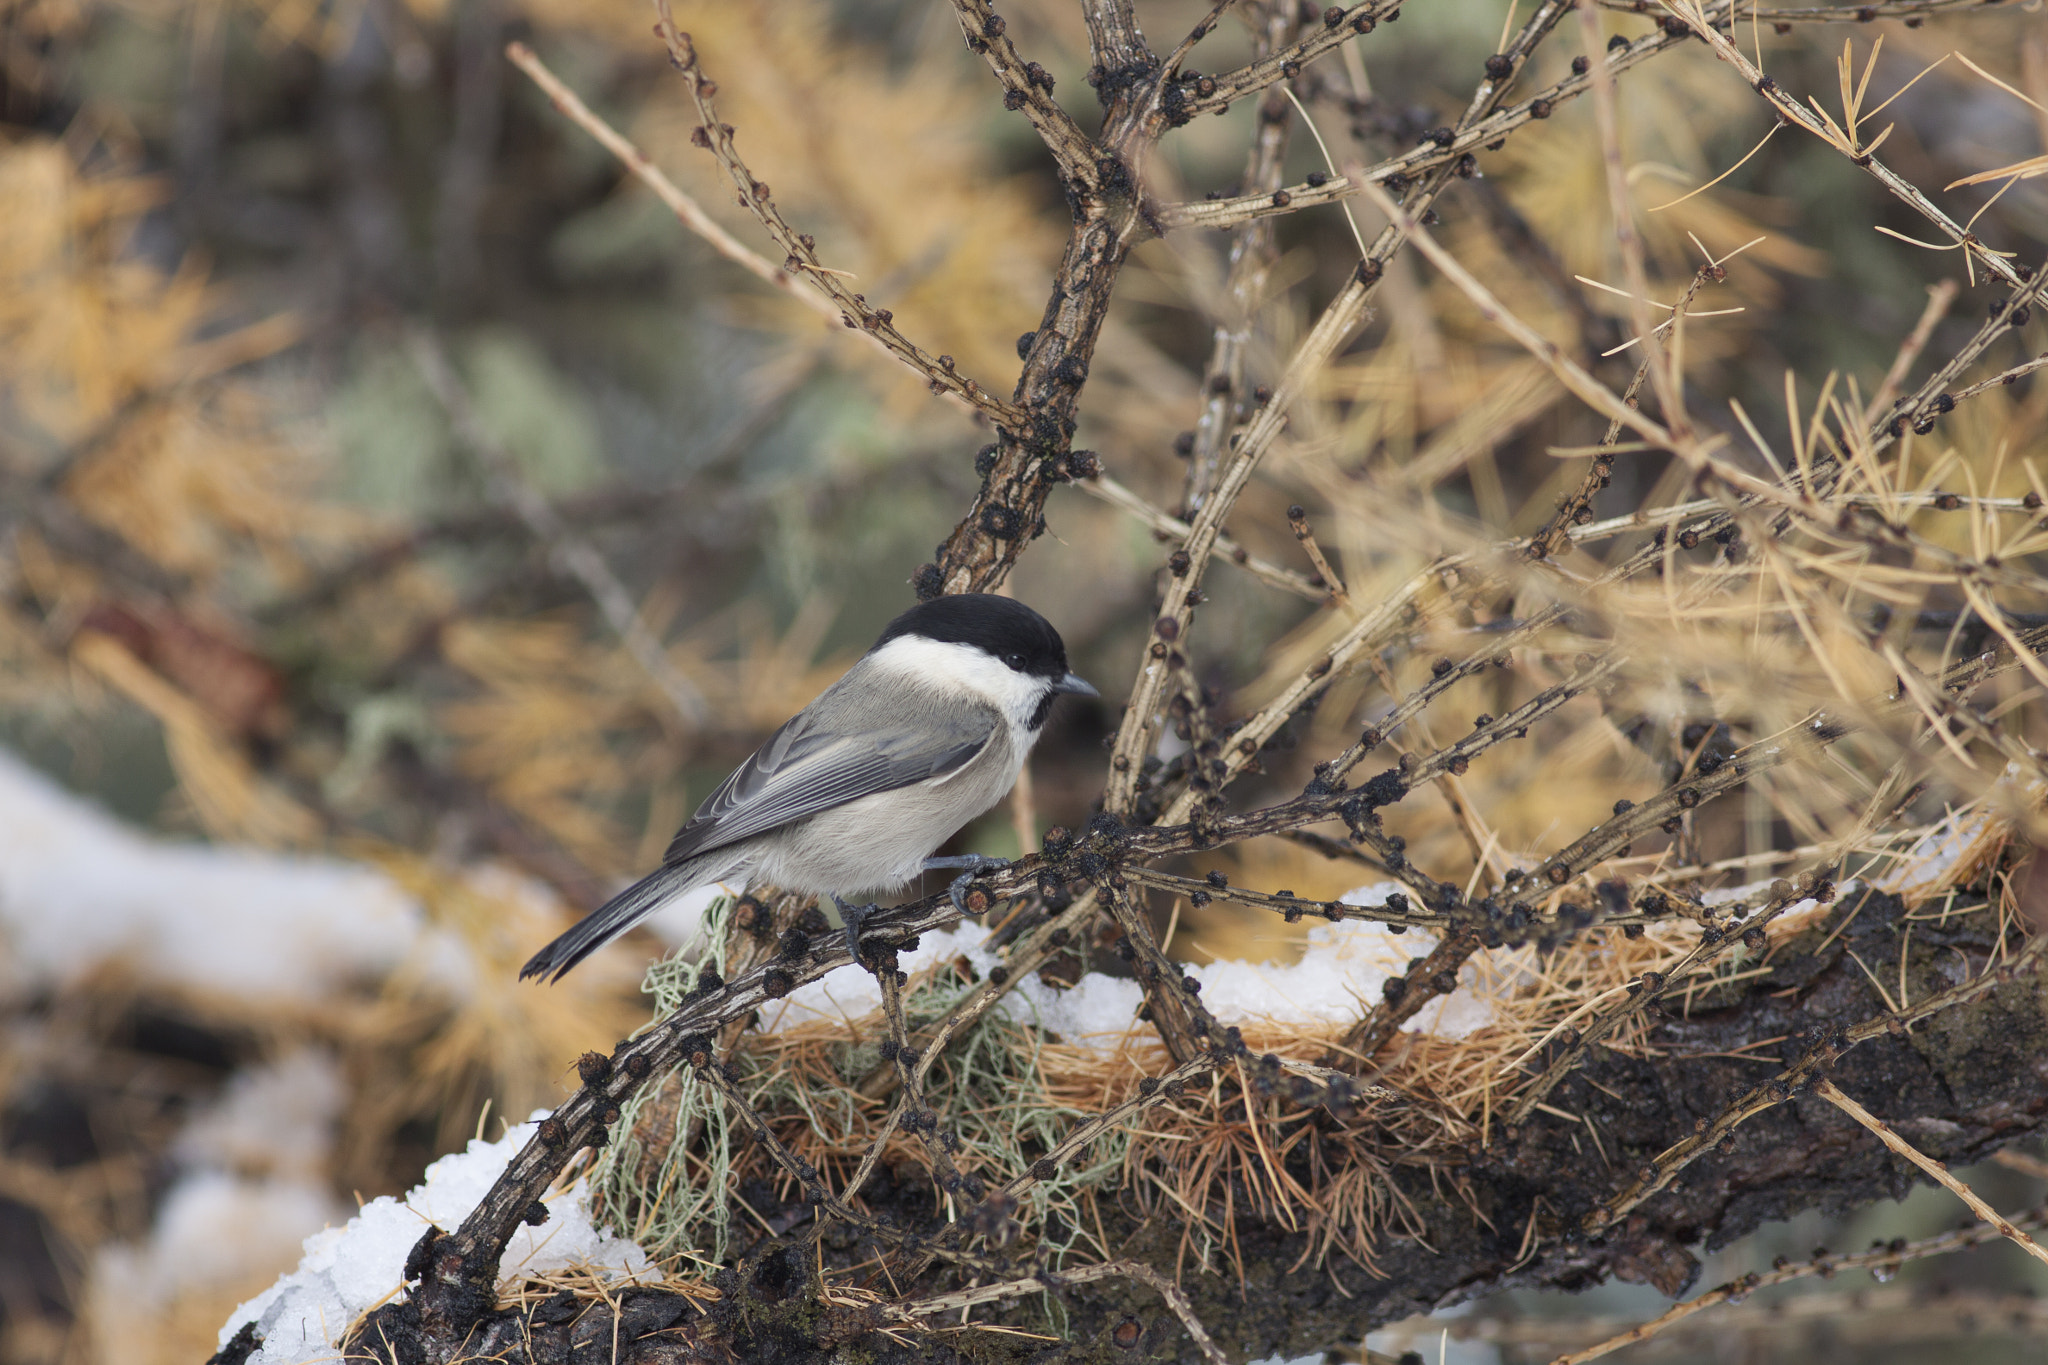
[(956, 890), (852, 916)]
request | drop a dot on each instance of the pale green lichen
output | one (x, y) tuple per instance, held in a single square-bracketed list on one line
[(987, 1087)]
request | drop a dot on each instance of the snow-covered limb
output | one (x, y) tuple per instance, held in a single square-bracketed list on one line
[(353, 1268)]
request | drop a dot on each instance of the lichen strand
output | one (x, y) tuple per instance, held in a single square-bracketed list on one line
[(820, 1086)]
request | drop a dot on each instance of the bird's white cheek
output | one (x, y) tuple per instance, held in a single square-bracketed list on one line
[(928, 663)]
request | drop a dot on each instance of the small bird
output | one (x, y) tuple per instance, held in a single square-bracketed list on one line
[(925, 732)]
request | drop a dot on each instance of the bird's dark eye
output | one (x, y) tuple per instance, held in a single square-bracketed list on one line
[(1015, 661)]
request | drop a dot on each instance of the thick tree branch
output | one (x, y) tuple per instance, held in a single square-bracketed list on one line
[(1966, 1078)]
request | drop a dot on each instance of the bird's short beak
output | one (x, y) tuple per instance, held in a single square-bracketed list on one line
[(1077, 685)]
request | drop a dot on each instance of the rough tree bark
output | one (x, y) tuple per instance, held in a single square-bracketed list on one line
[(1959, 1084)]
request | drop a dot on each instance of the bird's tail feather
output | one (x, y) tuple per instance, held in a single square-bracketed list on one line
[(613, 918)]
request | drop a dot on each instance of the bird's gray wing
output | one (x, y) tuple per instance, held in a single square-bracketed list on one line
[(812, 764)]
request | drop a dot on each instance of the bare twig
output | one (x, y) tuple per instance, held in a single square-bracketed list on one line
[(678, 201), (1903, 190), (1297, 521), (1027, 86), (1285, 903), (1114, 40), (2003, 377), (1883, 1258), (1405, 996), (1177, 1017), (1431, 155), (1117, 495), (1215, 93), (1920, 409), (801, 251), (1577, 507), (1841, 14), (1939, 297), (1046, 1280), (1664, 379), (809, 290), (1134, 737), (914, 1112), (1935, 1169)]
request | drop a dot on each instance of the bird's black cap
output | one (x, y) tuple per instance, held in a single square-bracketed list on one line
[(1000, 627)]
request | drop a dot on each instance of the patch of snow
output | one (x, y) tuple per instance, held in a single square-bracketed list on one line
[(679, 921), (251, 1188), (1800, 914), (79, 889), (277, 1118), (849, 992), (214, 1233), (1342, 969), (349, 1269), (1963, 837), (1937, 856), (1340, 973), (1096, 1011)]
